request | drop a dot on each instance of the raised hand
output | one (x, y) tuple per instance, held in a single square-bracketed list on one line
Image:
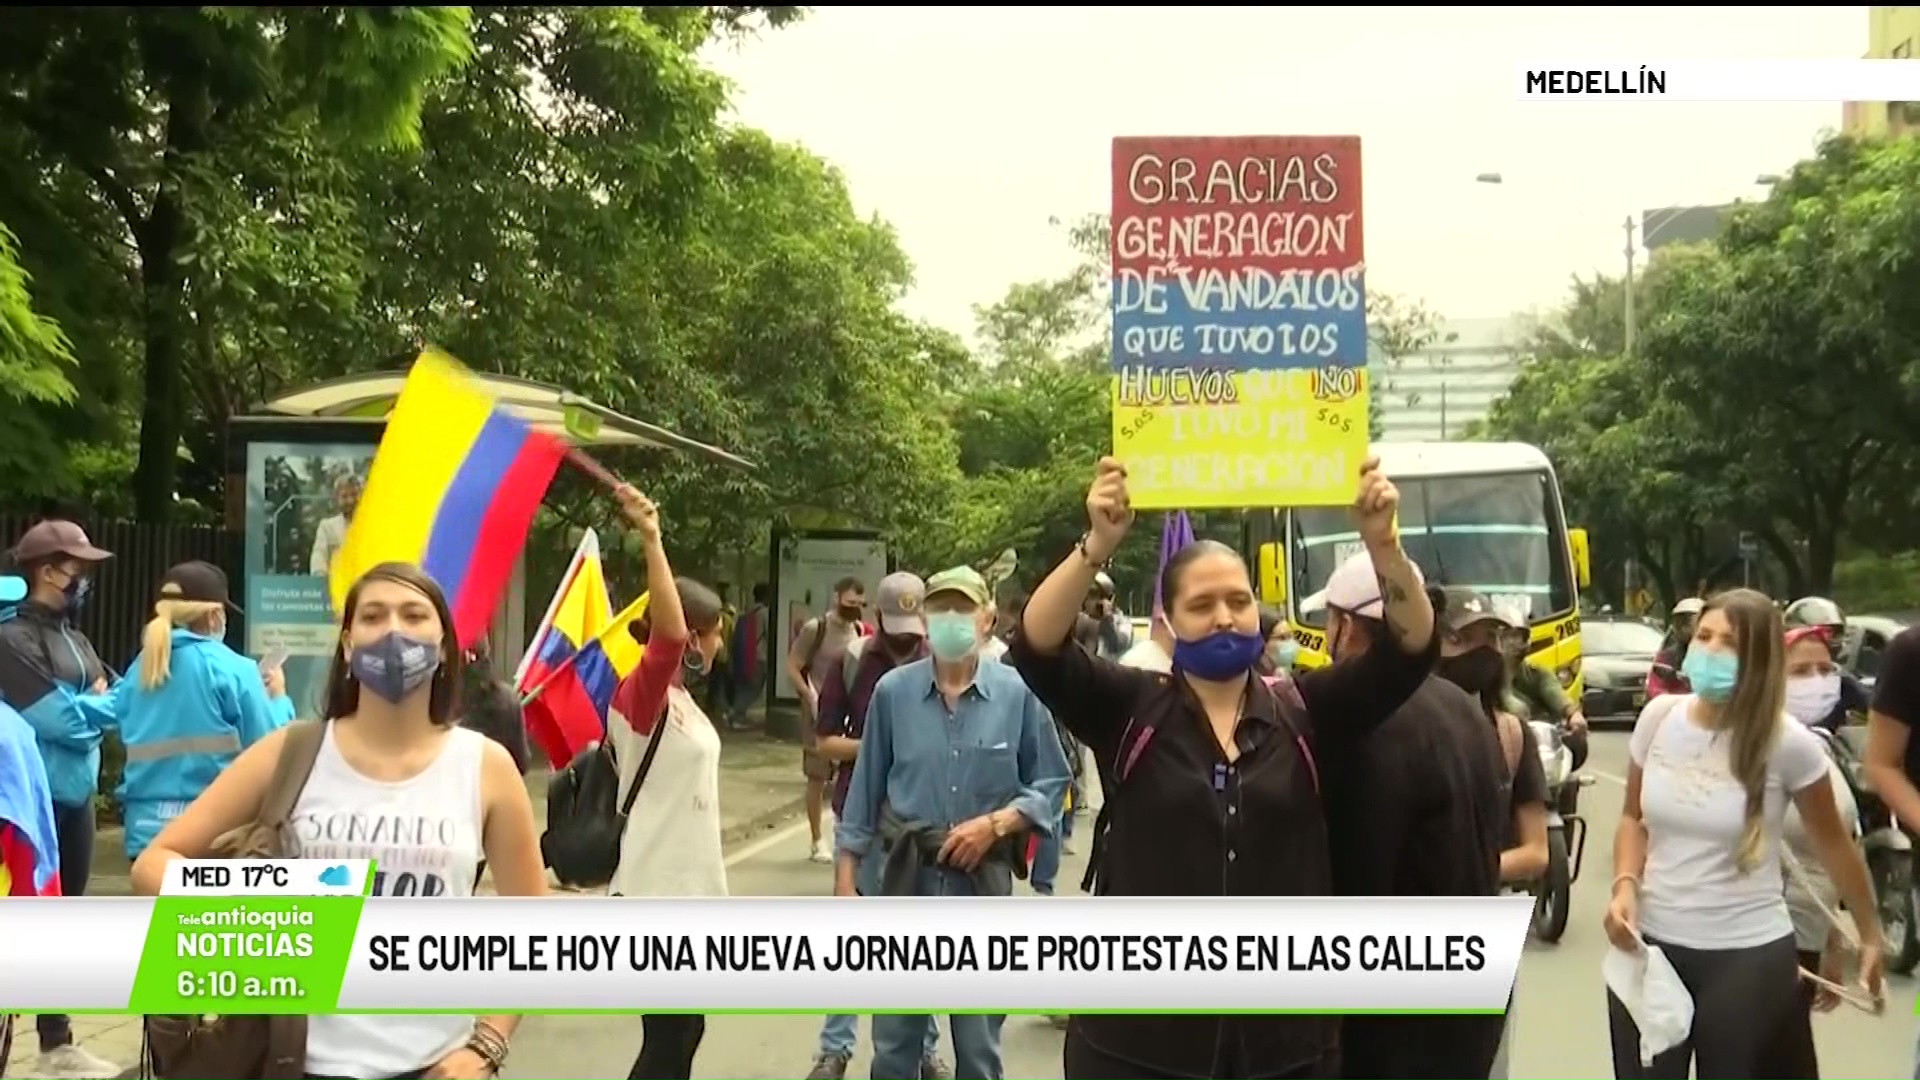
[(639, 511), (1375, 505), (1109, 514)]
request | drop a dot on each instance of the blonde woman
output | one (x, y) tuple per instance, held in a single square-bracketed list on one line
[(191, 704), (1696, 859)]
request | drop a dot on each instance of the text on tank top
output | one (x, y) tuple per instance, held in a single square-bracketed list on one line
[(426, 834)]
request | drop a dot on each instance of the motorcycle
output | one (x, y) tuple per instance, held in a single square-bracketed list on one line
[(1889, 853), (1566, 834)]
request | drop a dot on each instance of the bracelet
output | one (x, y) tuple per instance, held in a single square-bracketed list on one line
[(489, 1044), (1618, 878), (1080, 546)]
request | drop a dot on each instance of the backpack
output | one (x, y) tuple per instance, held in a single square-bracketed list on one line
[(1134, 740), (240, 1046), (584, 827)]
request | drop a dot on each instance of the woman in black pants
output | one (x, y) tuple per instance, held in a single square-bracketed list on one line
[(1697, 857)]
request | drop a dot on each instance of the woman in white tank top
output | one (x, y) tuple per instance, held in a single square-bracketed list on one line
[(390, 756), (671, 846)]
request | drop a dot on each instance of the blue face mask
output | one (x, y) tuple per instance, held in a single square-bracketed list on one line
[(1221, 655), (395, 666), (951, 635), (1711, 674), (1284, 653)]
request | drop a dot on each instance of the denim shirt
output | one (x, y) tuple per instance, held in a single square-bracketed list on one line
[(996, 748)]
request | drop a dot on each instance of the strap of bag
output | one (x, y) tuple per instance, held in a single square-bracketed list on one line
[(646, 762), (290, 772)]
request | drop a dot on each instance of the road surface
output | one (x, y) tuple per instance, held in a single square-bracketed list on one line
[(1560, 1016)]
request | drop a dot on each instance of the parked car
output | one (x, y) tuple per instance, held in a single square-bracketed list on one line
[(1866, 643), (1616, 653)]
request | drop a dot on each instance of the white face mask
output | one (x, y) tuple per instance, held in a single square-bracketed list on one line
[(1811, 698)]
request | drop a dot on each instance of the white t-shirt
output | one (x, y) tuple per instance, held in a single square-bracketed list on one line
[(1694, 894), (1808, 889), (425, 833), (1148, 656), (672, 843)]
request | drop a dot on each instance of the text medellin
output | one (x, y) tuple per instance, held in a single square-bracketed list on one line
[(1646, 80)]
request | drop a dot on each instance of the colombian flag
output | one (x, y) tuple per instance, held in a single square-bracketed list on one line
[(29, 857), (453, 489), (570, 707)]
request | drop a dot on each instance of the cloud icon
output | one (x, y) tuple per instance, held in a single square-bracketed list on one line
[(334, 877)]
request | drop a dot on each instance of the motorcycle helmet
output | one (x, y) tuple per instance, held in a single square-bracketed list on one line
[(1818, 611)]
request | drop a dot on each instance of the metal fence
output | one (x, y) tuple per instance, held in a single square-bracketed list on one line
[(123, 591)]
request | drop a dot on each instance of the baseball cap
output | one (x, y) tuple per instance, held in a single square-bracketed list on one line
[(199, 582), (1464, 607), (964, 580), (55, 537), (1354, 587), (897, 600)]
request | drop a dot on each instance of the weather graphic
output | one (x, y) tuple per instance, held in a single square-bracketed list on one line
[(335, 877)]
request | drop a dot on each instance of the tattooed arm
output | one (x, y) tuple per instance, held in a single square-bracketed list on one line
[(1409, 615)]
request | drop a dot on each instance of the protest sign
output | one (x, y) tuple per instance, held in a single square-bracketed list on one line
[(1239, 320)]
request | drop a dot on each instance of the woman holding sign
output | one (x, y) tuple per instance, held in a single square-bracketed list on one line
[(1153, 735)]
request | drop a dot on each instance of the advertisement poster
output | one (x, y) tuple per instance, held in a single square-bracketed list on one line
[(809, 568), (1239, 320), (300, 497)]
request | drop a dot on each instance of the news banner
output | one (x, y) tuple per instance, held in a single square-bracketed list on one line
[(309, 937)]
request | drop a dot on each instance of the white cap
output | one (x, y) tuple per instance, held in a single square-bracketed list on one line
[(1690, 606), (1354, 587)]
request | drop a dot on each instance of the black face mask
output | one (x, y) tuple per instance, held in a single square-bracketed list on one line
[(900, 646), (1477, 671), (850, 612)]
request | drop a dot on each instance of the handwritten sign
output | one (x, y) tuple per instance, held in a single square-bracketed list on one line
[(1239, 320)]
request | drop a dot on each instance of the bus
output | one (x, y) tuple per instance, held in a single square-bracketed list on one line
[(1484, 515)]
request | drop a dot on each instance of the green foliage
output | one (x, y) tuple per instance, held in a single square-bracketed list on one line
[(1772, 391), (1397, 328)]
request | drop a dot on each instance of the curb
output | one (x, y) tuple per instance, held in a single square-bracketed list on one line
[(762, 822)]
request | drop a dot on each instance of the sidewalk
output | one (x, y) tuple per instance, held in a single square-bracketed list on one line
[(761, 787)]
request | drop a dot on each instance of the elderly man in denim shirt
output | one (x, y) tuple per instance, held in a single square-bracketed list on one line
[(961, 746)]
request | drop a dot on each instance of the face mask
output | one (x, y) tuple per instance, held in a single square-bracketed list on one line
[(951, 635), (899, 646), (850, 612), (1221, 655), (76, 592), (395, 665), (1476, 671), (1711, 674), (1284, 653), (1811, 698)]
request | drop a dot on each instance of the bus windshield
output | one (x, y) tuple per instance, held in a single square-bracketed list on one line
[(1500, 535)]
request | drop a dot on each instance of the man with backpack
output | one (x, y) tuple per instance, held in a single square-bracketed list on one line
[(817, 647), (1427, 820)]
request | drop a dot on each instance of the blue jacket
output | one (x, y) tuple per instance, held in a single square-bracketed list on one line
[(47, 671), (181, 734)]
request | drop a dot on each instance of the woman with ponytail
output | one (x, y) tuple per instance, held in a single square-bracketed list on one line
[(191, 704), (1696, 859)]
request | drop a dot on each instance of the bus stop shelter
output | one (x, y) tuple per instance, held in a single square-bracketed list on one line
[(294, 467)]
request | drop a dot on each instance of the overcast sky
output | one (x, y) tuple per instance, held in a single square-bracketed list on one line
[(969, 128)]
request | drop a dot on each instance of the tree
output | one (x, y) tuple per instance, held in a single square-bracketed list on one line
[(1771, 389), (1795, 343), (148, 108), (1397, 328)]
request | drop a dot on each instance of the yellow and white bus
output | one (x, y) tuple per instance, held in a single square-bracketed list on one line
[(1484, 515)]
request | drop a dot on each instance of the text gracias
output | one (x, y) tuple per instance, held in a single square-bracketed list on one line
[(927, 952)]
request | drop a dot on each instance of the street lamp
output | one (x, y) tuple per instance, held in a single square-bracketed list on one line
[(1646, 236)]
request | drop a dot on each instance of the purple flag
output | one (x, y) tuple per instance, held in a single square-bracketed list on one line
[(1176, 532)]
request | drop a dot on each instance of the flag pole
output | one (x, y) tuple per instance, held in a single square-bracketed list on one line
[(567, 664), (599, 473)]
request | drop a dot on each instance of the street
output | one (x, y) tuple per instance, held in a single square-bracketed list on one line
[(1560, 1015)]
